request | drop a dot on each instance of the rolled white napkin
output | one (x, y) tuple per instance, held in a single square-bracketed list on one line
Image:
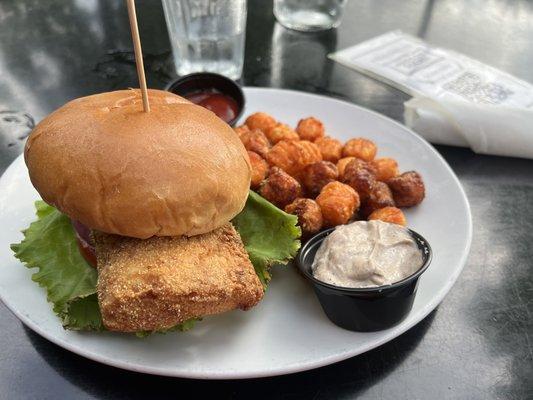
[(485, 128)]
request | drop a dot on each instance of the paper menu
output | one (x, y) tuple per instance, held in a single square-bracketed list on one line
[(417, 68), (456, 100)]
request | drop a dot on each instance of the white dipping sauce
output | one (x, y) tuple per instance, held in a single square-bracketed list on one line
[(367, 254)]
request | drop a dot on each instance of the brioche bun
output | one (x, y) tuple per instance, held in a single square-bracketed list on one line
[(177, 170)]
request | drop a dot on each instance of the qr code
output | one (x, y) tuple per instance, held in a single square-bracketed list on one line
[(411, 60), (476, 89)]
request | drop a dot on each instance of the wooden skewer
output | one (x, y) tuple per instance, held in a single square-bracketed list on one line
[(138, 53)]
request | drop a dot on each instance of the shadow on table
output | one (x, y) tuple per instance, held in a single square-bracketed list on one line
[(353, 376), (483, 168)]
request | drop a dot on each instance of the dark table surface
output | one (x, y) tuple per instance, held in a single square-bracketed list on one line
[(476, 345)]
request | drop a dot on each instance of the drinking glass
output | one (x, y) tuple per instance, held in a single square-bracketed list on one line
[(207, 35), (309, 15)]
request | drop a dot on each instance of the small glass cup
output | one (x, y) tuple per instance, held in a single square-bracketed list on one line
[(207, 35), (309, 15)]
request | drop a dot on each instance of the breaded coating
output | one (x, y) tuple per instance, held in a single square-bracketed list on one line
[(157, 283)]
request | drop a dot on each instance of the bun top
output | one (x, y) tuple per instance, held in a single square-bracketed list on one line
[(177, 170)]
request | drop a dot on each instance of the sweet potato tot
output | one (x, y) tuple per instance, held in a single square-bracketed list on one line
[(309, 215), (330, 148), (407, 189), (317, 175), (386, 168), (361, 148), (392, 215), (338, 203), (261, 121), (310, 129), (259, 169), (280, 188)]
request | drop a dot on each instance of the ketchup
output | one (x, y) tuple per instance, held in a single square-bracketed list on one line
[(223, 106), (85, 243)]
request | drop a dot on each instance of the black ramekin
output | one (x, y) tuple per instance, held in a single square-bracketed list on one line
[(200, 81), (363, 309)]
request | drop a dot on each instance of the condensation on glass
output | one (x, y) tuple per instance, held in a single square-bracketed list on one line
[(207, 35)]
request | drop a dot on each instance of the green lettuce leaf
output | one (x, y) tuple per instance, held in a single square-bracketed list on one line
[(50, 245), (270, 236), (183, 327)]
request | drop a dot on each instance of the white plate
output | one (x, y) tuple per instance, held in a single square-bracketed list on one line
[(287, 332)]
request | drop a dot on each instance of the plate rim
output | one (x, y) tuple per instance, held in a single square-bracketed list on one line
[(290, 369)]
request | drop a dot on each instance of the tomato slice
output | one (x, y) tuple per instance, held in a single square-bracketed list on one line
[(85, 242)]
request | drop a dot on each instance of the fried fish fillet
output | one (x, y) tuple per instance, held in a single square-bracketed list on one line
[(153, 284)]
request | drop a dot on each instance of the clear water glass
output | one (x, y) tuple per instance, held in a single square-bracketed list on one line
[(207, 35), (309, 15)]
